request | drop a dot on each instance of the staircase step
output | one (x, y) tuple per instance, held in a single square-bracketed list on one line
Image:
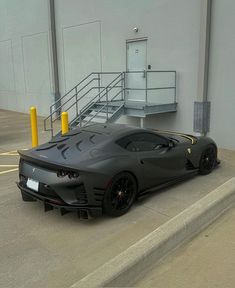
[(95, 116), (88, 123), (110, 103), (104, 110), (96, 120)]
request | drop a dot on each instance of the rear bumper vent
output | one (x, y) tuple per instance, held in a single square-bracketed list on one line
[(80, 194)]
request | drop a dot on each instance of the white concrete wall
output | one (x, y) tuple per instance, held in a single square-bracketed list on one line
[(92, 36), (172, 28), (222, 73), (25, 66)]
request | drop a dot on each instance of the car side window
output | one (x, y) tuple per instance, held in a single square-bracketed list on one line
[(126, 144), (142, 142), (147, 141)]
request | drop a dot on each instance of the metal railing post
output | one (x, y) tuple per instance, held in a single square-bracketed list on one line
[(175, 89), (146, 88), (76, 92), (124, 86), (107, 103), (99, 81), (80, 119), (51, 121)]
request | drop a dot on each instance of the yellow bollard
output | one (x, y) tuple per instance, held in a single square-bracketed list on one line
[(64, 122), (34, 126)]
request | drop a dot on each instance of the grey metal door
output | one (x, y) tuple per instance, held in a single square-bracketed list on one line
[(136, 70)]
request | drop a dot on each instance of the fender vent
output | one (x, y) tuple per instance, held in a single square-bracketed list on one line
[(99, 194), (189, 165)]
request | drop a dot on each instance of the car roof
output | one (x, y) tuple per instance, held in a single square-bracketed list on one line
[(113, 130), (86, 138)]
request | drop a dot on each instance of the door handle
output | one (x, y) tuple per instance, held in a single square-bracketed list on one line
[(144, 74)]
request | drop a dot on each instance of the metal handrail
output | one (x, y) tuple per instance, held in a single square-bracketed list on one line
[(106, 104), (75, 96), (109, 87), (103, 92), (80, 98), (73, 88), (146, 89), (92, 102), (50, 116), (159, 88), (98, 73), (64, 103), (151, 71), (67, 109)]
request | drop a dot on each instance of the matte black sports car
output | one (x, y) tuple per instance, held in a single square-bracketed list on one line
[(104, 167)]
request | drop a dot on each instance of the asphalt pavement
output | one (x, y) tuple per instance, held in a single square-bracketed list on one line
[(39, 249)]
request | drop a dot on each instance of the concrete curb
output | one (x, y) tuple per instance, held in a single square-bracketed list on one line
[(124, 269)]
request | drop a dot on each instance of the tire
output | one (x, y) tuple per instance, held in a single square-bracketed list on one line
[(208, 160), (120, 195)]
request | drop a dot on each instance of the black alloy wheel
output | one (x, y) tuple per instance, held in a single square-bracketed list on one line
[(120, 195), (208, 160)]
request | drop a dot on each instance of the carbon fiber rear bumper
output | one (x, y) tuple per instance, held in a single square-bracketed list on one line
[(83, 212)]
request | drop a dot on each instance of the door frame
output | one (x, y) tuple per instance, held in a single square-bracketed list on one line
[(136, 40), (128, 41)]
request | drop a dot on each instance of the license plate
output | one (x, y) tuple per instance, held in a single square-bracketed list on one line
[(32, 184)]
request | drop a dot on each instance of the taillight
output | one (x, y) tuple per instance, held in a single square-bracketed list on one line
[(61, 173), (71, 174)]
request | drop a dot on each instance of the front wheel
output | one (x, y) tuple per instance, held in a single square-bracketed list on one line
[(208, 160), (120, 194)]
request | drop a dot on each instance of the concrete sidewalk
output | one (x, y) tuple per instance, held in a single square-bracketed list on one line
[(208, 261)]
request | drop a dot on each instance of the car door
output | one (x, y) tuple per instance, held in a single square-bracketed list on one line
[(161, 162)]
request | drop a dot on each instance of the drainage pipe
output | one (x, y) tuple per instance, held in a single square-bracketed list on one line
[(202, 106), (54, 54)]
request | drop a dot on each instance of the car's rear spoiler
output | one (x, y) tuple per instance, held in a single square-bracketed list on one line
[(43, 163)]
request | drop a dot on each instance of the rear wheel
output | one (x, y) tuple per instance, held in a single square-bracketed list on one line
[(208, 160), (120, 194)]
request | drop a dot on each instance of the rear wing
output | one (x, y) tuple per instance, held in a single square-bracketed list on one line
[(25, 156)]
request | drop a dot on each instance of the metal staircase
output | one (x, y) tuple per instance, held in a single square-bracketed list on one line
[(103, 107), (103, 97)]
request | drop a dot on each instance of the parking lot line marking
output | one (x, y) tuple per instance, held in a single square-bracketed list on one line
[(8, 165), (11, 153), (8, 171)]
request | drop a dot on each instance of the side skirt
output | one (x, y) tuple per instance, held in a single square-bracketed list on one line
[(167, 184)]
